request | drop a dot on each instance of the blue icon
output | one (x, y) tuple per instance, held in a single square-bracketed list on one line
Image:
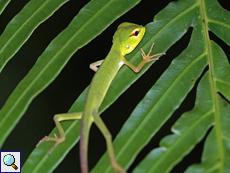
[(9, 160)]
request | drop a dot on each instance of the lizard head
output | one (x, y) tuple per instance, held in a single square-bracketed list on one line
[(128, 36)]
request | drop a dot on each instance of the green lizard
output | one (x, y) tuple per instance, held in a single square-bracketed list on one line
[(125, 40)]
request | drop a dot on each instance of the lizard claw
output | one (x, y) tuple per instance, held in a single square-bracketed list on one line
[(54, 139), (149, 58)]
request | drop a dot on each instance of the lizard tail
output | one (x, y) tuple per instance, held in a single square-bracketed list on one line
[(85, 127)]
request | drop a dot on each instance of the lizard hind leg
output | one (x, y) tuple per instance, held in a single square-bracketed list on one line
[(57, 119), (100, 124)]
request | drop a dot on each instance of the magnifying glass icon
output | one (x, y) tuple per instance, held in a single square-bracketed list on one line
[(9, 160)]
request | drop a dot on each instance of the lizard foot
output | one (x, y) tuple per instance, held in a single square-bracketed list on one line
[(117, 167), (54, 139), (149, 58)]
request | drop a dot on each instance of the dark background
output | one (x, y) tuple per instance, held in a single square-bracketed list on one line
[(60, 95)]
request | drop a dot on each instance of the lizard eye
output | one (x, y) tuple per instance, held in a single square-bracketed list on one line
[(135, 33)]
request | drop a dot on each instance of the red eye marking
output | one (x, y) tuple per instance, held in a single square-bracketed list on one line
[(135, 33)]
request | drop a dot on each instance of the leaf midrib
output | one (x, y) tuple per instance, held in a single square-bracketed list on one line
[(213, 86)]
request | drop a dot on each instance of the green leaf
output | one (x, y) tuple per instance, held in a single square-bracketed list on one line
[(3, 4), (210, 109), (202, 66), (22, 26), (164, 97), (51, 62), (97, 15), (218, 141), (188, 131)]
